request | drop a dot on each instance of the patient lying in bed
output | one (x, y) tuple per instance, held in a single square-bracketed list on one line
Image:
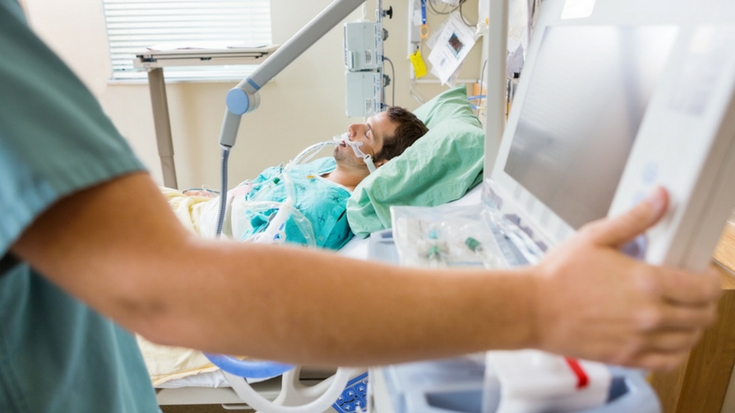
[(441, 167), (318, 190), (316, 217)]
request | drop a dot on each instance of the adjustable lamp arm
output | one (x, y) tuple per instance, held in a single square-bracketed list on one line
[(241, 99), (244, 97)]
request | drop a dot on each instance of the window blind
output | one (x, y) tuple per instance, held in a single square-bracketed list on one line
[(136, 25)]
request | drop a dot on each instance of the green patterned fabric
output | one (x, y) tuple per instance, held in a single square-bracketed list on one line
[(440, 167)]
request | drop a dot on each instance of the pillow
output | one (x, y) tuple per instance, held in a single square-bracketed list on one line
[(438, 168)]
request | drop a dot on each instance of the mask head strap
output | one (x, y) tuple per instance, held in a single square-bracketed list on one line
[(369, 162)]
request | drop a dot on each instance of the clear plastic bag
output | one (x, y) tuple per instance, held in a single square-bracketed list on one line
[(446, 236)]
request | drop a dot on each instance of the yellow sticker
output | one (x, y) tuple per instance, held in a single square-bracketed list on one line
[(419, 67)]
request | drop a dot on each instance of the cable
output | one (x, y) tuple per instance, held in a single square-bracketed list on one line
[(383, 84), (461, 14), (393, 73), (444, 12)]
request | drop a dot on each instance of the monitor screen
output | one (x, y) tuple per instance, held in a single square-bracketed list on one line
[(584, 104)]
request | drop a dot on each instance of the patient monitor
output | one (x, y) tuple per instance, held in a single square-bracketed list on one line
[(615, 99), (363, 54)]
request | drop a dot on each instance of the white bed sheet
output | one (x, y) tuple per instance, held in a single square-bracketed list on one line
[(210, 379)]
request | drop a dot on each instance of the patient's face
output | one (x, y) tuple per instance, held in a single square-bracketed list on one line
[(373, 134)]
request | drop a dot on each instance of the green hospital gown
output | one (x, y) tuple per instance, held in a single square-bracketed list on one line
[(320, 205)]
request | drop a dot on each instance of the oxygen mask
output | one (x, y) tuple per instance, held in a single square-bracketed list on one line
[(367, 158)]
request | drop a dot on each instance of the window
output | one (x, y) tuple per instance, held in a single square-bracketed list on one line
[(135, 25)]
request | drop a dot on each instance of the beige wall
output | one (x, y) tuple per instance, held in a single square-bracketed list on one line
[(304, 104)]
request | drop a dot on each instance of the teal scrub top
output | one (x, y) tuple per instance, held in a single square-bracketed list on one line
[(321, 218), (56, 354)]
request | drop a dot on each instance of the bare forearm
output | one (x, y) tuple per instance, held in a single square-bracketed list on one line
[(324, 309), (137, 265), (134, 262)]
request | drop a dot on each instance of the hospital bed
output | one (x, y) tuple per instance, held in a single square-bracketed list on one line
[(443, 166), (702, 129)]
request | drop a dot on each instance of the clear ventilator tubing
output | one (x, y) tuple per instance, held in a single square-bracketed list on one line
[(255, 206), (278, 222), (320, 404), (275, 232), (310, 152)]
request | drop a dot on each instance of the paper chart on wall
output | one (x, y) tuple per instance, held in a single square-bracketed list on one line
[(453, 45)]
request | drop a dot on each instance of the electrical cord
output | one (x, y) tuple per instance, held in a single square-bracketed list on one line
[(461, 14), (445, 12), (393, 74)]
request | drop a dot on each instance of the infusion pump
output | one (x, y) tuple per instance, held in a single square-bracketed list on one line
[(363, 56)]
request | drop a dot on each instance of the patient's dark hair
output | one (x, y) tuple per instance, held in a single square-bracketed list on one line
[(409, 130)]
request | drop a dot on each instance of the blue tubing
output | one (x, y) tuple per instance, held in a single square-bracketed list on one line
[(248, 369)]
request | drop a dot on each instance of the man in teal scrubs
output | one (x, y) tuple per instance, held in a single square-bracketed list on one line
[(56, 354), (73, 269)]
